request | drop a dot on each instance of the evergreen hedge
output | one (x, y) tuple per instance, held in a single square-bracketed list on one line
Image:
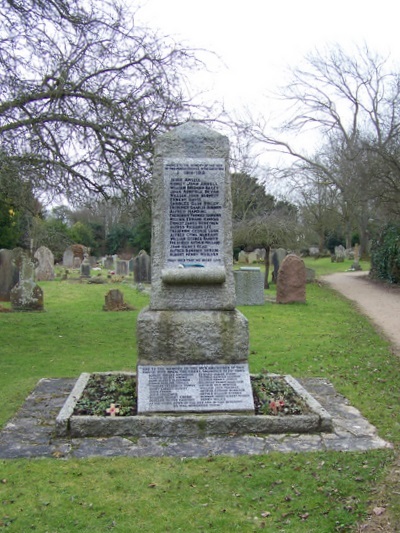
[(385, 254)]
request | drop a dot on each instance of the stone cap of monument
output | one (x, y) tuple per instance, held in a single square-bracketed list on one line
[(192, 139)]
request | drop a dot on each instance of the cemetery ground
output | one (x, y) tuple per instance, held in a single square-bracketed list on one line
[(290, 492)]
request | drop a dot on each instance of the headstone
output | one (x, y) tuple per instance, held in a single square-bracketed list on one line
[(44, 270), (291, 284), (242, 257), (252, 258), (340, 253), (278, 256), (68, 258), (77, 262), (122, 267), (249, 285), (85, 267), (192, 342), (310, 275), (142, 268), (260, 252), (356, 263), (109, 262), (26, 295), (313, 251), (114, 301), (9, 273)]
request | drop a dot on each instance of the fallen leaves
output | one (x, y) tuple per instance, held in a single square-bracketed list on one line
[(378, 511)]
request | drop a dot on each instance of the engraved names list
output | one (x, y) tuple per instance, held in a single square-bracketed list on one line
[(195, 388), (195, 200)]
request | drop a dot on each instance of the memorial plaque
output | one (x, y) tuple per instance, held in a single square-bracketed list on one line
[(194, 203), (194, 388)]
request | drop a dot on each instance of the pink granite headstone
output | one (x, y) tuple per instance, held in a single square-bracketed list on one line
[(292, 278)]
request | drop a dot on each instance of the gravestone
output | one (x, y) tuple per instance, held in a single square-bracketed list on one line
[(85, 267), (114, 301), (310, 275), (292, 278), (278, 256), (260, 252), (122, 267), (243, 257), (68, 258), (192, 342), (249, 285), (356, 263), (340, 253), (109, 262), (142, 268), (9, 272), (44, 270), (26, 295), (252, 258)]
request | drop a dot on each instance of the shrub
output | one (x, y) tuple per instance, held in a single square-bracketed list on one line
[(385, 254)]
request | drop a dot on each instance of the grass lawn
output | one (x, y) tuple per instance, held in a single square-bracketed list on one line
[(309, 492)]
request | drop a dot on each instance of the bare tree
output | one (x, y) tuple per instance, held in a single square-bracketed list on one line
[(353, 103), (83, 93)]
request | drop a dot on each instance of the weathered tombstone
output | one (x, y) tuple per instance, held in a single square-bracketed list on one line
[(278, 256), (26, 295), (260, 252), (313, 251), (291, 284), (44, 270), (192, 342), (252, 258), (242, 257), (109, 262), (340, 253), (114, 301), (249, 285), (122, 267), (142, 268), (310, 275), (356, 263), (68, 258), (85, 267), (77, 262), (9, 273)]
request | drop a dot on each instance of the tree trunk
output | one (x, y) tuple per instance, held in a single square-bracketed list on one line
[(364, 237), (266, 263)]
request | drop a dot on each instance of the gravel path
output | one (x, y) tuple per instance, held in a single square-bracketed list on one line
[(379, 301)]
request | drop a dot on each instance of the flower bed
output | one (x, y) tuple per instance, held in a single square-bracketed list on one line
[(115, 395)]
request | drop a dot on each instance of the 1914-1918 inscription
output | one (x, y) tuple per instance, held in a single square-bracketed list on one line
[(195, 199), (194, 388)]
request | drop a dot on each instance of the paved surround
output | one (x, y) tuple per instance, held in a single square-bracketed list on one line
[(30, 433)]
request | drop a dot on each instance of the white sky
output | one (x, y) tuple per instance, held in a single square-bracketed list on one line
[(259, 39)]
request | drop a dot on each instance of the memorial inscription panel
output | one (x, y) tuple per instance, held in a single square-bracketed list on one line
[(194, 388), (195, 201)]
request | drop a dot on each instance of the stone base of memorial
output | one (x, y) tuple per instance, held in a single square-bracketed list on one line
[(190, 425), (192, 337)]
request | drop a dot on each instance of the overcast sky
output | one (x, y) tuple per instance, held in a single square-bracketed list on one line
[(258, 39)]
